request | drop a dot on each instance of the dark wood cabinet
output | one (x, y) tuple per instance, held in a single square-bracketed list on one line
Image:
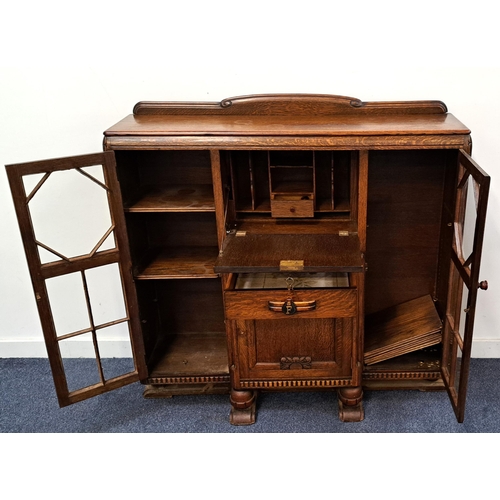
[(275, 242)]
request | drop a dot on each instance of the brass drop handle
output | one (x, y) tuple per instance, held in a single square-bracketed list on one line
[(483, 285), (290, 306)]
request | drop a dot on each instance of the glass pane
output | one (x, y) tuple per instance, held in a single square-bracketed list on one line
[(79, 360), (70, 213), (463, 310), (447, 352), (67, 303), (106, 293), (31, 181), (114, 343), (470, 216), (452, 356), (458, 369), (109, 243), (96, 171), (46, 256)]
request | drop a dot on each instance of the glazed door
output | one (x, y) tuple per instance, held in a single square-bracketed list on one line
[(73, 229), (468, 230)]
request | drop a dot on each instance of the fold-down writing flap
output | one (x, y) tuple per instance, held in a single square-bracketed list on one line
[(290, 252)]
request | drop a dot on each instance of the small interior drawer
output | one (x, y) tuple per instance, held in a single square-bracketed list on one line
[(292, 206)]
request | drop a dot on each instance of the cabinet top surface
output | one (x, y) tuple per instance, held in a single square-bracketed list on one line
[(241, 125), (289, 115)]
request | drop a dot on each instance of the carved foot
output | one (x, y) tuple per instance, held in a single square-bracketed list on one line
[(243, 407), (351, 404)]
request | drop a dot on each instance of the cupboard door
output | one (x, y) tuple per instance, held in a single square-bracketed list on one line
[(302, 352), (72, 225), (468, 230), (276, 349)]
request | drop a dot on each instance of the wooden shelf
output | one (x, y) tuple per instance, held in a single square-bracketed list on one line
[(423, 360), (324, 206), (291, 166), (402, 329), (178, 198), (190, 355), (289, 187), (416, 370), (178, 263)]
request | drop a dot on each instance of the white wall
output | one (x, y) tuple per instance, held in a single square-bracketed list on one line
[(68, 73)]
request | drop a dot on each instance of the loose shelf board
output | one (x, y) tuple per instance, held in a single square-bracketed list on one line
[(401, 329)]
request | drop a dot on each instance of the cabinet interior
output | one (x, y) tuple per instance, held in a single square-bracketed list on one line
[(171, 223), (172, 227), (183, 325), (410, 196), (407, 191), (292, 184)]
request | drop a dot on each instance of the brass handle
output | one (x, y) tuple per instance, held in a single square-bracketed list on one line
[(290, 306)]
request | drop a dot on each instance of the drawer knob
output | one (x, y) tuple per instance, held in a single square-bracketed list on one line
[(290, 307)]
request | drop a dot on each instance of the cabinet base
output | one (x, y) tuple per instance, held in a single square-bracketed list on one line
[(243, 407), (246, 416), (351, 404), (354, 413), (167, 391)]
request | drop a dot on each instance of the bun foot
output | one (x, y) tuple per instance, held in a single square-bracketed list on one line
[(351, 404), (243, 407)]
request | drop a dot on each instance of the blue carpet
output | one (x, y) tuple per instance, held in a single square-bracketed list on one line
[(29, 405)]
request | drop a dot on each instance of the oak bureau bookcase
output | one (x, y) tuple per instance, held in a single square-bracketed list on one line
[(270, 242)]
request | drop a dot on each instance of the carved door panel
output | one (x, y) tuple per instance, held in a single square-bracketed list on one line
[(73, 230), (468, 226), (295, 353)]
